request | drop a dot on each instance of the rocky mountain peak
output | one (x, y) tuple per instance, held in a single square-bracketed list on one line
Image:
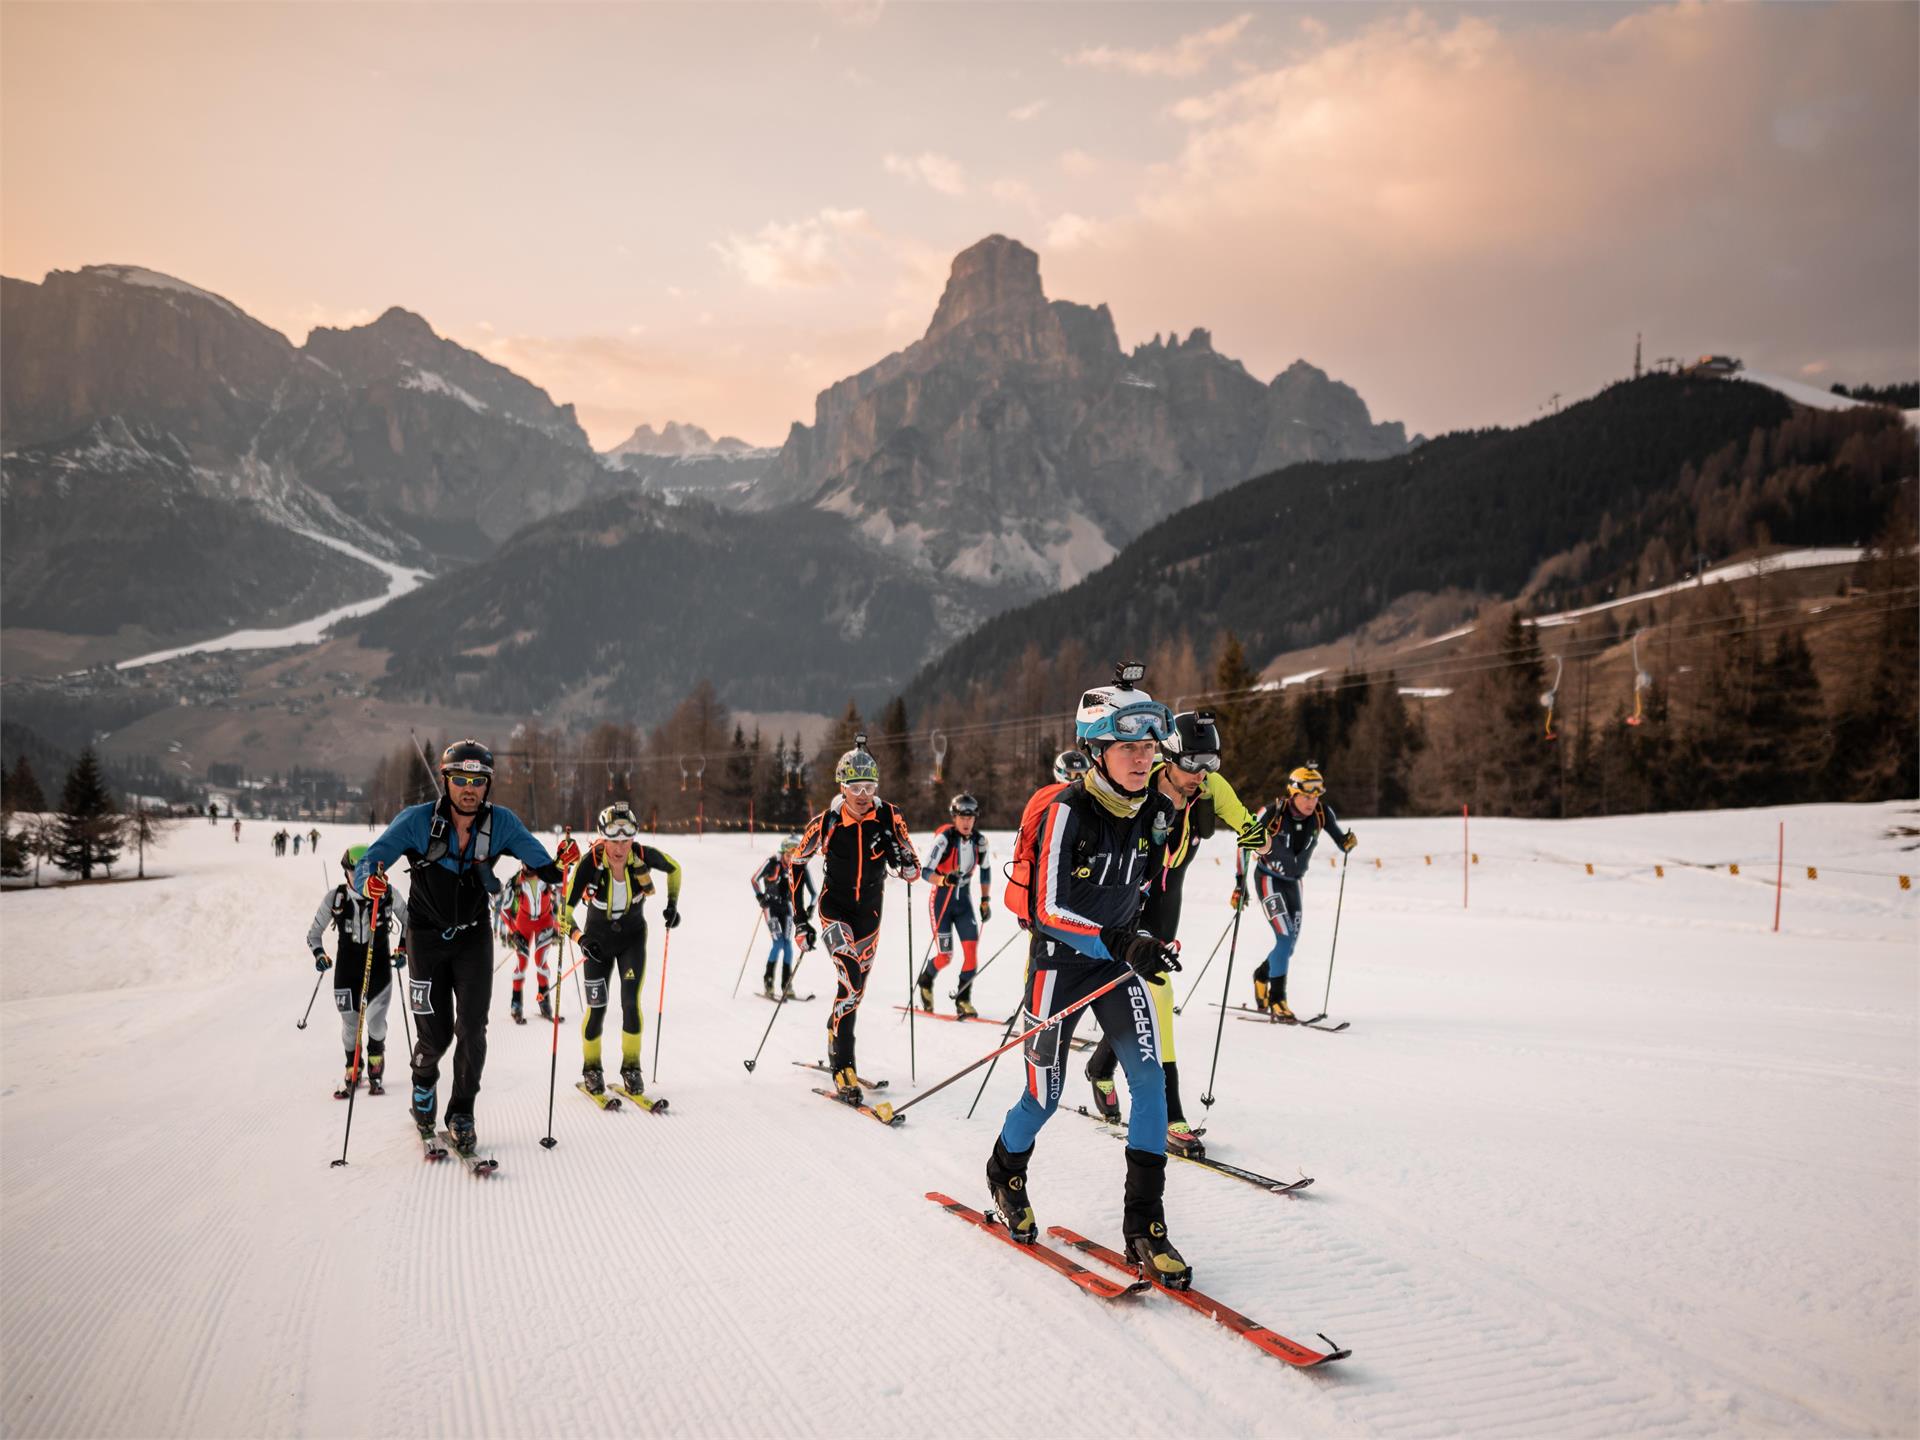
[(995, 274)]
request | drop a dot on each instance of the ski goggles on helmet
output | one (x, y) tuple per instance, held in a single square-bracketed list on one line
[(617, 822), (1140, 720), (865, 789), (461, 782), (1204, 762), (965, 805)]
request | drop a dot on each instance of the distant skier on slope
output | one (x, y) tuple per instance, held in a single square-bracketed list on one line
[(860, 838), (783, 888), (1100, 841), (957, 854), (1293, 825), (349, 915), (527, 917), (1188, 775), (614, 878), (451, 845)]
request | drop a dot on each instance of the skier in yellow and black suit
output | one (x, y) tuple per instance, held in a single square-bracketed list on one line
[(1189, 775), (615, 878)]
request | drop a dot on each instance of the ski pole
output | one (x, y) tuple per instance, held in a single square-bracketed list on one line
[(777, 1006), (752, 935), (553, 1062), (989, 1075), (360, 1030), (1335, 948), (1204, 968), (660, 1012), (310, 999), (1020, 1039), (955, 994), (1206, 1100), (913, 1058), (933, 940)]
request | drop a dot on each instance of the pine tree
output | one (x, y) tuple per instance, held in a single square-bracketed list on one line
[(22, 789), (89, 824), (893, 748)]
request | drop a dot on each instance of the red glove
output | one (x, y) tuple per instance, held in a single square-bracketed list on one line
[(375, 887)]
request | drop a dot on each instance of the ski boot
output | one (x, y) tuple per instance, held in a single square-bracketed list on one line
[(1182, 1141), (786, 987), (766, 985), (425, 1103), (1106, 1104), (1143, 1223), (846, 1087), (460, 1132), (1259, 990), (593, 1079), (1007, 1183), (376, 1067), (546, 1006), (963, 1007), (924, 986), (632, 1080), (518, 1008), (1277, 1005)]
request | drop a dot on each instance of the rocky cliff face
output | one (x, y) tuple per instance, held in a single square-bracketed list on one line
[(674, 440), (1016, 446)]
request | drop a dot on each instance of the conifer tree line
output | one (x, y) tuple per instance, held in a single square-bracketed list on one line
[(86, 834)]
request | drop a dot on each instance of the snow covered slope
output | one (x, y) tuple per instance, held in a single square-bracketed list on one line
[(1601, 1155)]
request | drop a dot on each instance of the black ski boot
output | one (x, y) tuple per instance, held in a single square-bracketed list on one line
[(1007, 1183), (460, 1131), (517, 1007), (1106, 1103), (425, 1104), (376, 1067), (766, 985), (546, 1006), (1143, 1222), (786, 983), (592, 1077), (925, 986), (634, 1082)]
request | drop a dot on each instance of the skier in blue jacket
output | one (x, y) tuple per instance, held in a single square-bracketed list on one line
[(451, 846)]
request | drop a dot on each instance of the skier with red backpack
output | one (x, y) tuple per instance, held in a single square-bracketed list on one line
[(1086, 853)]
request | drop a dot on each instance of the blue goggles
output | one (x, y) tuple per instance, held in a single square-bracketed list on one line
[(1142, 720)]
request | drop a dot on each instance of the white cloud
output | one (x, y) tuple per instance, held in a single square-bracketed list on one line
[(802, 255), (1026, 112), (935, 171), (1078, 162), (1071, 232), (1188, 55), (1012, 192)]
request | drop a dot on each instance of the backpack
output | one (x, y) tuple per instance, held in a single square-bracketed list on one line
[(1018, 898)]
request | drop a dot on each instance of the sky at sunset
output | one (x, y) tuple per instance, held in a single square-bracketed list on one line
[(709, 213)]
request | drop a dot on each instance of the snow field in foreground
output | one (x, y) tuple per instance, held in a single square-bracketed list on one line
[(1601, 1155)]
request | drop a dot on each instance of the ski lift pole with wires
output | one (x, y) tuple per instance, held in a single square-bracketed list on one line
[(1642, 683), (939, 745), (1552, 694)]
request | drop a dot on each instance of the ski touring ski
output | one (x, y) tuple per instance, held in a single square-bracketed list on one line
[(474, 1161), (828, 1070), (648, 1103), (1252, 1331), (606, 1100), (1095, 1285), (1247, 1012), (882, 1112), (936, 1015), (1117, 1128), (435, 1150), (790, 1000)]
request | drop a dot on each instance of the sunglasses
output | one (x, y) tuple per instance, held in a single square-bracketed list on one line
[(461, 782), (1197, 764), (866, 789)]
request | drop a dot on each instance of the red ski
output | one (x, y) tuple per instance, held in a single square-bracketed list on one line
[(1097, 1285), (1270, 1341)]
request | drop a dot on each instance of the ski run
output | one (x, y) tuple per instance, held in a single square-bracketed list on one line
[(1600, 1155)]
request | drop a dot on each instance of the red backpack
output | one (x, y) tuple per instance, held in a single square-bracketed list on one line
[(1018, 898)]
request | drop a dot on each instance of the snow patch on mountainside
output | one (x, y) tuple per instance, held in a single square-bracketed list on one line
[(432, 384), (154, 280)]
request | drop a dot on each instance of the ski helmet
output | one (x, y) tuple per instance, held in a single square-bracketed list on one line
[(857, 765), (1193, 742), (1306, 780), (1069, 765), (350, 857), (789, 844), (618, 822), (467, 757), (963, 804), (1120, 711)]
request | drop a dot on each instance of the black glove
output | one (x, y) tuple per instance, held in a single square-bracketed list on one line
[(670, 916), (764, 901), (1351, 841), (1145, 956), (551, 873), (807, 935), (320, 961)]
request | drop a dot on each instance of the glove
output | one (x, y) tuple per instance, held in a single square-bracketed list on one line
[(1239, 897), (375, 887), (551, 874), (940, 880), (807, 937), (400, 958), (568, 853), (670, 917), (1254, 837), (1147, 957), (320, 961), (986, 908), (764, 901), (1351, 841)]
